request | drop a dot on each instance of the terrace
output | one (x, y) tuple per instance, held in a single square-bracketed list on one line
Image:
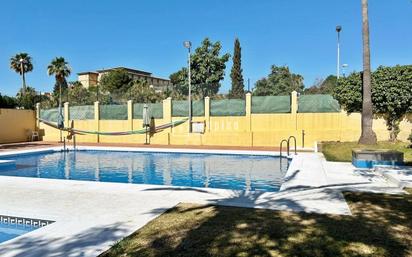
[(90, 217)]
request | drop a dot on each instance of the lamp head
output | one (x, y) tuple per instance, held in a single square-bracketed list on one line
[(338, 28), (187, 44)]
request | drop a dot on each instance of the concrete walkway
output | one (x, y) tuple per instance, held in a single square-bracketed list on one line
[(311, 171), (401, 176), (92, 216)]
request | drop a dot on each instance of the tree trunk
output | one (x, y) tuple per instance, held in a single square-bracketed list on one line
[(394, 130), (392, 135), (368, 136), (23, 77)]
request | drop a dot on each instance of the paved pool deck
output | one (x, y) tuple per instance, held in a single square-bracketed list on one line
[(92, 216)]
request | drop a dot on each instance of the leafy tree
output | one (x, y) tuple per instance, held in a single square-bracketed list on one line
[(349, 92), (79, 95), (96, 95), (179, 82), (76, 83), (237, 90), (48, 102), (116, 82), (29, 99), (142, 92), (391, 94), (393, 90), (368, 136), (207, 70), (323, 86), (280, 81), (7, 102), (21, 63)]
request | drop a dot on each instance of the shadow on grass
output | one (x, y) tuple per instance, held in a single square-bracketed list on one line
[(381, 225)]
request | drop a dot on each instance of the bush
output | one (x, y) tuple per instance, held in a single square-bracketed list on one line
[(410, 139), (7, 102)]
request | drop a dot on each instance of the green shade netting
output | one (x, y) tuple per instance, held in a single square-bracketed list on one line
[(228, 107), (113, 112), (50, 114), (85, 112), (317, 103), (180, 108), (271, 104), (155, 110)]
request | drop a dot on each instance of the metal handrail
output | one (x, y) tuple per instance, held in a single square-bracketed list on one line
[(281, 144), (74, 142), (288, 145), (294, 139), (66, 144)]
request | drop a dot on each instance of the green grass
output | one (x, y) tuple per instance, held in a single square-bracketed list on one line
[(381, 225), (342, 151)]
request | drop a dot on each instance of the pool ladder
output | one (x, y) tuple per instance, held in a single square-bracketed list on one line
[(287, 145), (65, 149)]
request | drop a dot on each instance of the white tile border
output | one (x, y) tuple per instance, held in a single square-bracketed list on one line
[(30, 151), (179, 150), (149, 150)]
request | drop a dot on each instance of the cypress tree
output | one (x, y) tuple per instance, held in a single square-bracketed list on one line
[(237, 90)]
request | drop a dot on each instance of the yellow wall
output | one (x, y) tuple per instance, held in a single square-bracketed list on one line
[(248, 130), (14, 125)]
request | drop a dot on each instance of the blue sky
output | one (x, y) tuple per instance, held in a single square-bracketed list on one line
[(148, 35)]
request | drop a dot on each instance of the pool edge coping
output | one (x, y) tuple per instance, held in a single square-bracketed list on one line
[(149, 150)]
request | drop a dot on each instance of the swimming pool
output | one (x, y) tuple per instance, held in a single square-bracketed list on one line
[(227, 171), (11, 227)]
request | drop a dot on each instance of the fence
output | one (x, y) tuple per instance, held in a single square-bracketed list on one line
[(254, 121)]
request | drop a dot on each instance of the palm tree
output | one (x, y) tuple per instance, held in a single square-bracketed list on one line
[(367, 135), (21, 63), (60, 69)]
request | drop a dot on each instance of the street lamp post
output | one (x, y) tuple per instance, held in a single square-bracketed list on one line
[(188, 45), (338, 30)]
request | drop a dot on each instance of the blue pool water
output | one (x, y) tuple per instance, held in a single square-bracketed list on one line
[(9, 231), (240, 172)]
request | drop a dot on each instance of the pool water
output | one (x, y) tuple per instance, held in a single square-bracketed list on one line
[(9, 231), (239, 172)]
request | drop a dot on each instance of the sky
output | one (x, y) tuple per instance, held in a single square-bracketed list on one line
[(148, 35)]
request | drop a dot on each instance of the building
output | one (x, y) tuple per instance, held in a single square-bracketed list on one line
[(91, 78)]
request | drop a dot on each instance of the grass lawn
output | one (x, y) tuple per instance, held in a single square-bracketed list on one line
[(381, 225), (342, 151)]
